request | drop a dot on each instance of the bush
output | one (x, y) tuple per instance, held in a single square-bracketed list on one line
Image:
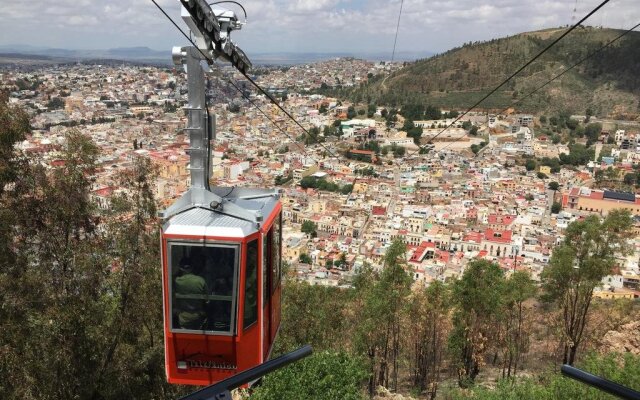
[(326, 375), (555, 386)]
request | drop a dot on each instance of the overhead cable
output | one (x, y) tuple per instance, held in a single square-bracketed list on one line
[(397, 29)]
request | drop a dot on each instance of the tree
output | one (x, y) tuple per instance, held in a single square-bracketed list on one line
[(305, 258), (530, 164), (371, 110), (554, 186), (556, 207), (55, 103), (310, 228), (429, 324), (477, 298), (630, 178), (541, 175), (592, 131), (381, 304), (517, 289), (577, 266), (86, 281), (351, 112), (473, 131)]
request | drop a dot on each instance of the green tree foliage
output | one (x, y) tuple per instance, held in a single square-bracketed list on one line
[(351, 112), (578, 265), (477, 300), (554, 186), (371, 109), (515, 320), (323, 184), (556, 207), (381, 302), (530, 164), (81, 315), (281, 180), (429, 325), (592, 131), (552, 385), (14, 125), (305, 258), (578, 155), (398, 151), (324, 375), (475, 148), (311, 137), (330, 130), (316, 315), (310, 228), (55, 103)]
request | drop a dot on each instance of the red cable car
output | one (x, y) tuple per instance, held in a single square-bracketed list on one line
[(221, 282), (220, 262)]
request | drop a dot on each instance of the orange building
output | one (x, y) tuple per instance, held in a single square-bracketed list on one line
[(600, 201)]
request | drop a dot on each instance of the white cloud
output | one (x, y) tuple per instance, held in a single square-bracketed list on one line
[(301, 25)]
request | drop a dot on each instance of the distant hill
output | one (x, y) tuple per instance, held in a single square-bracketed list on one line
[(608, 83), (140, 54)]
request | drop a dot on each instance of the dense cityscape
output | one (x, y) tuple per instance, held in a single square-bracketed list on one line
[(449, 206)]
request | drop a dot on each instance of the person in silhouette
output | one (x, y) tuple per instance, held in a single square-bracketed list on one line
[(191, 293)]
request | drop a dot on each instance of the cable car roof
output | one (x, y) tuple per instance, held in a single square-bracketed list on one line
[(205, 222)]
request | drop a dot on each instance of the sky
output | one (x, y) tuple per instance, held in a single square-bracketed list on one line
[(301, 26)]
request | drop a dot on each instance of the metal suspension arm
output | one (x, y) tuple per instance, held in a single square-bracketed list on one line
[(600, 383)]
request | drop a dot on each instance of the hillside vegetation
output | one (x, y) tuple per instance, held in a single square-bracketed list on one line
[(608, 83)]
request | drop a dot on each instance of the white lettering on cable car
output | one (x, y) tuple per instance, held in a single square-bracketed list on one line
[(210, 364)]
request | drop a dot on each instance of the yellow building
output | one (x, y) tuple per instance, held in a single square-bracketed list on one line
[(545, 169), (613, 294), (302, 173), (360, 187)]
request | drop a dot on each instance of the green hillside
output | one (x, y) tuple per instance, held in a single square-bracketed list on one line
[(608, 83)]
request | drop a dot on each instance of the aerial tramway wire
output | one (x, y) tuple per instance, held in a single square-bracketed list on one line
[(585, 58), (210, 61), (397, 30), (512, 75)]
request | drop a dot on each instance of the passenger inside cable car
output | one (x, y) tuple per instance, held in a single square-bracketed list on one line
[(204, 281)]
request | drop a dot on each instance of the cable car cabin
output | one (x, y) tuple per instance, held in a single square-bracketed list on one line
[(221, 287)]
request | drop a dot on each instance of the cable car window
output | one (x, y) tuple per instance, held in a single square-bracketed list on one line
[(203, 287), (265, 268), (275, 254), (251, 285)]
